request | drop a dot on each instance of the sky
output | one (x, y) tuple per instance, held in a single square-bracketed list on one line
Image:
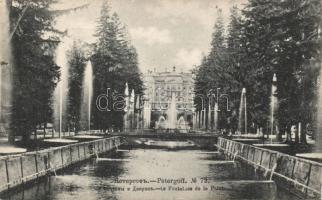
[(166, 33)]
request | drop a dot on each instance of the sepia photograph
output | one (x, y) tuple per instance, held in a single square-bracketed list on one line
[(160, 99)]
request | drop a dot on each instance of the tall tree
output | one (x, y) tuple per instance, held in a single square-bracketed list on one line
[(211, 73), (35, 73), (268, 37), (77, 63), (236, 70), (115, 63), (281, 37)]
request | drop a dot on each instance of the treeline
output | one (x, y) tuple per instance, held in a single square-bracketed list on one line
[(115, 62), (35, 73), (263, 38)]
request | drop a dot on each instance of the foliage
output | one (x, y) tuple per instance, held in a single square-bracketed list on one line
[(264, 38), (115, 62), (77, 63), (35, 73)]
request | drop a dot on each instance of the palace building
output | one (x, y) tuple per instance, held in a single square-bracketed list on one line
[(161, 86)]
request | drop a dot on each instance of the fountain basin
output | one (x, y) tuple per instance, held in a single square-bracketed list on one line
[(284, 148), (58, 141), (247, 136), (247, 140), (311, 156), (214, 155), (272, 145), (9, 150), (87, 137), (169, 144)]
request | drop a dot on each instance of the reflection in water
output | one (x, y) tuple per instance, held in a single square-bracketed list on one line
[(175, 169)]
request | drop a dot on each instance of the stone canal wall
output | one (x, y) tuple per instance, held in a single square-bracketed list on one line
[(18, 169), (299, 176)]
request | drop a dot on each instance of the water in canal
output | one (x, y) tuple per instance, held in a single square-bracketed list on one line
[(146, 173)]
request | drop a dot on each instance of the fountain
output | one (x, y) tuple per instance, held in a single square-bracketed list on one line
[(274, 106), (60, 97), (131, 110), (137, 113), (316, 155), (172, 113), (318, 136), (199, 119), (242, 118), (209, 117), (5, 66), (87, 96), (147, 115), (194, 120), (204, 117), (126, 108), (182, 125), (161, 123), (216, 116)]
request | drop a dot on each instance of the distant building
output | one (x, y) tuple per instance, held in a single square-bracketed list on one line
[(159, 88), (161, 85)]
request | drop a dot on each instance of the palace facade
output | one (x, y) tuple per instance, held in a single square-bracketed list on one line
[(161, 86)]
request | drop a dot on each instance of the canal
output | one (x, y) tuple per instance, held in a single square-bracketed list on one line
[(151, 173)]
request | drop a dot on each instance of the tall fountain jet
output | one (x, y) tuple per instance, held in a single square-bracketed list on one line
[(193, 120), (182, 125), (172, 113), (204, 118), (132, 107), (87, 96), (274, 104), (209, 117), (5, 65), (318, 136), (198, 120), (60, 97), (316, 155), (126, 108), (215, 117), (242, 118), (138, 113), (147, 114)]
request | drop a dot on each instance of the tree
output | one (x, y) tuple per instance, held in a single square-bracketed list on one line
[(115, 63), (35, 73), (236, 67), (268, 37), (210, 75), (77, 63), (282, 38)]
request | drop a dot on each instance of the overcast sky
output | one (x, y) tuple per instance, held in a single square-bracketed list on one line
[(164, 32)]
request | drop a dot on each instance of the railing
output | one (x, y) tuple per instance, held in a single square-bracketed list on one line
[(18, 169), (295, 174)]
